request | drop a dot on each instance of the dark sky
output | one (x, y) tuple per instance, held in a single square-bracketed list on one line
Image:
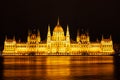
[(98, 16)]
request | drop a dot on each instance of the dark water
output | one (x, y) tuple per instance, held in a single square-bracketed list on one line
[(59, 68)]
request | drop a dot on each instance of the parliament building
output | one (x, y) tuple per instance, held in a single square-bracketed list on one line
[(58, 44)]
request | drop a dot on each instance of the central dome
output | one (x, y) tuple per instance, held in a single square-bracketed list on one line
[(58, 28)]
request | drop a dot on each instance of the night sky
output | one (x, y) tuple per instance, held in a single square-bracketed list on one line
[(97, 16)]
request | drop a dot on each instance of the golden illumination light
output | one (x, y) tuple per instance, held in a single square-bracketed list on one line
[(58, 44)]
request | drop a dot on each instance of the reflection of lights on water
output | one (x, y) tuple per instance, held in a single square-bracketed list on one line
[(58, 66), (57, 71), (92, 59), (55, 60), (55, 67)]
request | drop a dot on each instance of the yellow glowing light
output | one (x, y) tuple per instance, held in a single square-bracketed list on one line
[(58, 44)]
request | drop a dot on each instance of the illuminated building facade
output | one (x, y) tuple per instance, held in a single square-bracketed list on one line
[(58, 44)]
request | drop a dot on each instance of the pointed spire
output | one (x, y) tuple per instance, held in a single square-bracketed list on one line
[(19, 40), (38, 35), (49, 27), (28, 37), (110, 37), (67, 28), (78, 36), (6, 37), (102, 37), (14, 37), (29, 32), (97, 40), (38, 32), (49, 34), (58, 23), (67, 32)]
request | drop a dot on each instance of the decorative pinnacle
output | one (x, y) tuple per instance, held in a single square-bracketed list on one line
[(49, 34), (67, 32), (29, 32), (67, 28), (102, 37), (110, 37), (14, 37), (38, 31), (48, 27), (58, 23), (6, 37)]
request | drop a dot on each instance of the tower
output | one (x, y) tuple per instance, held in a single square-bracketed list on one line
[(68, 40), (38, 36), (48, 40)]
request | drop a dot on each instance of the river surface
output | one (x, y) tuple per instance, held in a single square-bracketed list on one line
[(59, 68)]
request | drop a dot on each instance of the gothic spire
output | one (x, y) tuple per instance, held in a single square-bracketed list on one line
[(38, 35), (14, 37), (6, 37), (110, 37), (49, 34), (29, 32), (38, 32), (102, 37), (97, 40), (58, 23), (78, 36), (67, 32), (19, 40)]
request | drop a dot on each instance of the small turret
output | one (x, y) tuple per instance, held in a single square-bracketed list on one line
[(78, 36), (38, 36)]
